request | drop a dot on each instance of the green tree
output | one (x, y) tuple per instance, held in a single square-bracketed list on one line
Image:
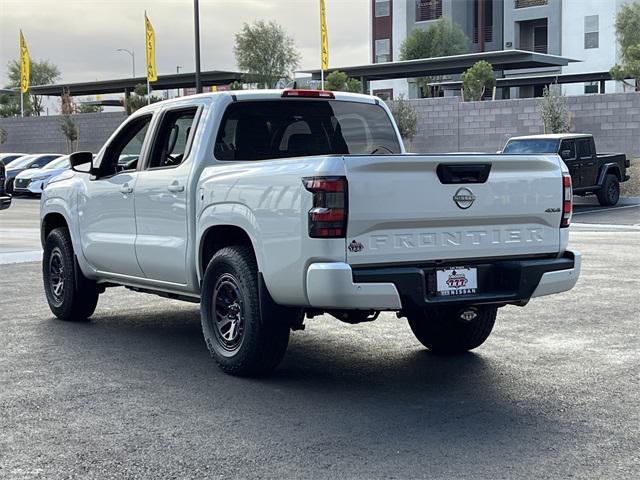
[(406, 118), (265, 53), (476, 80), (43, 72), (628, 35), (139, 97), (441, 39), (87, 108), (340, 82), (554, 112), (10, 105)]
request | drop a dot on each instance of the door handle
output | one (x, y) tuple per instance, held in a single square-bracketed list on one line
[(126, 189), (175, 187)]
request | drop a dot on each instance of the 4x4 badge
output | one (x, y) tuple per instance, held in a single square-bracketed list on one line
[(355, 246)]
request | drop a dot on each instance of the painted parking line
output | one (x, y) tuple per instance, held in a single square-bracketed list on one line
[(597, 210), (20, 257)]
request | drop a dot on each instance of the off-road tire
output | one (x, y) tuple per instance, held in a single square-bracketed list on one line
[(609, 194), (442, 330), (263, 341), (78, 297)]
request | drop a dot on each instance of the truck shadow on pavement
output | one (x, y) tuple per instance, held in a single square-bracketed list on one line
[(347, 371)]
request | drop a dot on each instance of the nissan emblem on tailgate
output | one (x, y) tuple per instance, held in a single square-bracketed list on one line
[(464, 198)]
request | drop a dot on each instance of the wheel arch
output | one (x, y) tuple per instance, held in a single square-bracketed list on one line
[(609, 168), (219, 236), (51, 221)]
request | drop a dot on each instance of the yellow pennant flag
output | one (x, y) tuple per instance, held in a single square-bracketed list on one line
[(324, 38), (25, 65), (152, 73)]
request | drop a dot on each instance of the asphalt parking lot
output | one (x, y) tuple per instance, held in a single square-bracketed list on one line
[(553, 393)]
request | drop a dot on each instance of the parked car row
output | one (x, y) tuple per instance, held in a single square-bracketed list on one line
[(29, 174)]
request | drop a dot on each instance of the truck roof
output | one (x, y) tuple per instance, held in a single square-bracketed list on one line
[(258, 95), (552, 136)]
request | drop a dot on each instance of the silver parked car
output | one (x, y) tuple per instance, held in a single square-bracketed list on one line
[(33, 180)]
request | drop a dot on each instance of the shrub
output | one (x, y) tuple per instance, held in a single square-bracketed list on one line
[(554, 112), (476, 80), (405, 117)]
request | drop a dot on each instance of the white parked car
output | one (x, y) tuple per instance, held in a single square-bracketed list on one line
[(269, 206), (34, 180)]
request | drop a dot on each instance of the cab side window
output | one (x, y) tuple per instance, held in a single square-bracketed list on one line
[(568, 145), (172, 142), (584, 148), (123, 153)]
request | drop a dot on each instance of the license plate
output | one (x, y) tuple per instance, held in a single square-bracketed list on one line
[(457, 281)]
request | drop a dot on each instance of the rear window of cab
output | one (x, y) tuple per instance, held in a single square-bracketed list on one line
[(268, 129)]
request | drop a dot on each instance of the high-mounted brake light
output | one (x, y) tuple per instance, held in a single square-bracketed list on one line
[(328, 216), (567, 201), (308, 93)]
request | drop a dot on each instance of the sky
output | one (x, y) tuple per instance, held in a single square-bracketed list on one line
[(81, 36)]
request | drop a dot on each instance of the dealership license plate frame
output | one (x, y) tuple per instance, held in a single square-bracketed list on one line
[(456, 281)]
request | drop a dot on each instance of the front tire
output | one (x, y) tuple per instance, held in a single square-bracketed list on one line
[(70, 295), (443, 330), (240, 341), (609, 194)]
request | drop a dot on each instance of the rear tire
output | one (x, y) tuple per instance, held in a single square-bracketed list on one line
[(70, 295), (442, 329), (239, 340), (609, 194)]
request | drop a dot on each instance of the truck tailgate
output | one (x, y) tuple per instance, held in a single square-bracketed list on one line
[(403, 209)]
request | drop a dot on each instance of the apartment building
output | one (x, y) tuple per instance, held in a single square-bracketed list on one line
[(579, 29)]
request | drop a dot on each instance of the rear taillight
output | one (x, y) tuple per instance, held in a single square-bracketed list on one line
[(308, 93), (328, 216), (567, 201)]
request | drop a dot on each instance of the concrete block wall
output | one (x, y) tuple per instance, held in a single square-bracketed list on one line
[(444, 125), (449, 125), (43, 134)]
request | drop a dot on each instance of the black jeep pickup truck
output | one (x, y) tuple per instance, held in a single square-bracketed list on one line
[(5, 199), (591, 172)]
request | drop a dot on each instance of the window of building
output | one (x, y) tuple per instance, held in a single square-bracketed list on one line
[(428, 10), (488, 21), (385, 94), (540, 42), (383, 8), (591, 87), (383, 50), (591, 33)]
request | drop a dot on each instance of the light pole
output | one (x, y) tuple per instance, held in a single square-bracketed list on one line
[(178, 67), (196, 23), (133, 59)]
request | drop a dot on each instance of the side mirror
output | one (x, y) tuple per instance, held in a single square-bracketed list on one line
[(566, 154), (78, 159)]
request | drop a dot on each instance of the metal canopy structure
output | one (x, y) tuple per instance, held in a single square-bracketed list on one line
[(502, 60), (547, 79), (164, 82)]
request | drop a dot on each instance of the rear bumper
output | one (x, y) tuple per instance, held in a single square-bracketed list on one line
[(5, 201), (512, 281)]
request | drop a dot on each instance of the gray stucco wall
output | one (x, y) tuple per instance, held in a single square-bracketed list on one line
[(449, 125), (43, 135), (444, 125)]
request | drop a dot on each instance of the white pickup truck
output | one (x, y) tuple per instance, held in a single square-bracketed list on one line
[(269, 207)]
